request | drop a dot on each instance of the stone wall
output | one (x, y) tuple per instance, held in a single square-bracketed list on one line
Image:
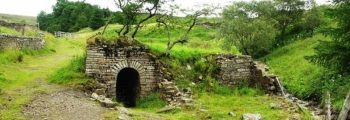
[(235, 70), (105, 61), (20, 42)]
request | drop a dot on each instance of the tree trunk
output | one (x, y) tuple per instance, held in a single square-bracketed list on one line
[(104, 29), (344, 112), (328, 106)]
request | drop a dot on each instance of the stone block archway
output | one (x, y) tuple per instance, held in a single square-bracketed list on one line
[(105, 62)]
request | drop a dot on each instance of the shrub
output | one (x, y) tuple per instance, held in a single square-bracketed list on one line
[(152, 101)]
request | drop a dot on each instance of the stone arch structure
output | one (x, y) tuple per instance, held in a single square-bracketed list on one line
[(105, 62)]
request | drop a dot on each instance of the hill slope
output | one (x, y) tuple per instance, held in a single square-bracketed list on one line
[(18, 18), (299, 76)]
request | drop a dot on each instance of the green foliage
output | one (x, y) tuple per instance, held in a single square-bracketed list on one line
[(72, 73), (153, 101), (253, 34), (13, 56), (72, 16), (335, 54)]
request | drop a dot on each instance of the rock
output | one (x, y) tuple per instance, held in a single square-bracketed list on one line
[(193, 84), (203, 110), (275, 106), (95, 96), (250, 116), (100, 91), (189, 67), (200, 77), (295, 117), (232, 114), (123, 110), (108, 103), (124, 114), (166, 109)]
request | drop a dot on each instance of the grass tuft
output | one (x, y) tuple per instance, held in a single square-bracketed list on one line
[(73, 73), (153, 101)]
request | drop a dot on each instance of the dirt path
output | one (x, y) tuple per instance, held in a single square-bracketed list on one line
[(28, 95), (64, 105)]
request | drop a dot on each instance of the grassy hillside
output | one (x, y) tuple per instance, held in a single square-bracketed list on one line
[(18, 19), (295, 71), (211, 99), (299, 76)]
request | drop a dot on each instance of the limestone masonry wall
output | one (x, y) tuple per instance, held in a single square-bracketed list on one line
[(235, 70), (104, 62), (20, 42)]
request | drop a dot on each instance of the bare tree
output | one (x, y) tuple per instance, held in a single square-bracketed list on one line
[(167, 20), (134, 10)]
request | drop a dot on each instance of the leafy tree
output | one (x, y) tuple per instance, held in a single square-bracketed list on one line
[(132, 11), (247, 25), (335, 54), (72, 16), (288, 14)]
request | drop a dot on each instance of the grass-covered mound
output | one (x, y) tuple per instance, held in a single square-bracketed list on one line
[(301, 77), (191, 68)]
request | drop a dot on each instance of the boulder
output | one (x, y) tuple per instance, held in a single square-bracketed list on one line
[(275, 106), (232, 114), (95, 96), (108, 103), (166, 109), (250, 116), (100, 91)]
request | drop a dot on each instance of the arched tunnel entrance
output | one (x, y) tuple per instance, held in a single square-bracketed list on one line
[(128, 87)]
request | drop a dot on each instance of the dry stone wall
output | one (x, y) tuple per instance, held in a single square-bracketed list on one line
[(20, 42), (105, 61), (235, 70)]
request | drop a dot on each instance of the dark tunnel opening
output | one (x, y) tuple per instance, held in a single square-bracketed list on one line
[(128, 87)]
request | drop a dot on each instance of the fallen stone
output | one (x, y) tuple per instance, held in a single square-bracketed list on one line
[(250, 116), (94, 96), (100, 91), (123, 114), (203, 110), (232, 114), (275, 106), (108, 103)]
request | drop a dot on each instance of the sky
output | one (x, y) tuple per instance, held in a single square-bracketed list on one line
[(33, 7)]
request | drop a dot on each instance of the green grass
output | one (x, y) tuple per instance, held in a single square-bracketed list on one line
[(296, 73), (25, 79), (73, 73), (202, 41), (217, 107), (152, 102), (12, 56), (301, 77)]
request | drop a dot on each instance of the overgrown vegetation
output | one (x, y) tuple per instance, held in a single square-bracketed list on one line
[(70, 16), (257, 28), (73, 73), (13, 56)]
